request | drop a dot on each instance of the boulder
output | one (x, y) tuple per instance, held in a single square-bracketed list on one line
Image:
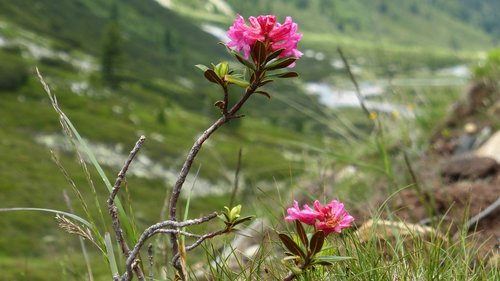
[(468, 167), (491, 148)]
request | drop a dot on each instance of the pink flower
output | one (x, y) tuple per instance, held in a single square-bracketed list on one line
[(242, 36), (265, 29), (332, 217), (307, 216), (286, 37)]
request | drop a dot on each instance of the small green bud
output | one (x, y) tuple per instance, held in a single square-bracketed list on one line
[(235, 213), (222, 69)]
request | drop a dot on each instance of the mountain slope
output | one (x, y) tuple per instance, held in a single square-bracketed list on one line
[(480, 13), (408, 23)]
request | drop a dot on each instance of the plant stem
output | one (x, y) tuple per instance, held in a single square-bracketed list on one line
[(194, 152)]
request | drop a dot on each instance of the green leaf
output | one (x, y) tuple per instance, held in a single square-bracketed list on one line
[(258, 53), (265, 82), (281, 63), (243, 60), (290, 74), (224, 217), (274, 55), (237, 81), (302, 234), (213, 77), (235, 212), (316, 242), (331, 259), (323, 263), (202, 67), (263, 93), (242, 220), (291, 245)]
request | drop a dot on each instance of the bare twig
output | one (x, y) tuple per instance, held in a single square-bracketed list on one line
[(111, 206), (198, 242), (123, 171), (151, 231), (488, 211), (150, 256), (170, 231), (113, 210)]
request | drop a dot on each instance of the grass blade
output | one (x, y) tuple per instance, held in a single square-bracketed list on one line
[(111, 255), (73, 216), (121, 212)]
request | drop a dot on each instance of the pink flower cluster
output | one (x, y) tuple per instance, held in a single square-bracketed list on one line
[(265, 29), (330, 218)]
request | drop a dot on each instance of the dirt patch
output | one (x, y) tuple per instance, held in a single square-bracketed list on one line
[(456, 185), (453, 205)]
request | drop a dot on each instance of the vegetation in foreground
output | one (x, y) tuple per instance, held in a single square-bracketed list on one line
[(402, 258)]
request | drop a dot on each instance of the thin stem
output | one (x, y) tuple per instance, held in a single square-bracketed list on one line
[(198, 242), (236, 179), (194, 152), (150, 256), (113, 211), (67, 200), (354, 81), (226, 100), (151, 231)]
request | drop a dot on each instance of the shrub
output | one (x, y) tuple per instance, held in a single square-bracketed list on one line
[(489, 69), (13, 72)]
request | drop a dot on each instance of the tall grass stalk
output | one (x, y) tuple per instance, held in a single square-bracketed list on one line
[(66, 123)]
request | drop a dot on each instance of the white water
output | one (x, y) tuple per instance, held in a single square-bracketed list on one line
[(216, 31), (336, 97)]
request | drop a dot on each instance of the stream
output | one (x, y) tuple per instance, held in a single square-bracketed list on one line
[(336, 96)]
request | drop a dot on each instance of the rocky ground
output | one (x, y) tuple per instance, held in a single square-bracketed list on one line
[(460, 175)]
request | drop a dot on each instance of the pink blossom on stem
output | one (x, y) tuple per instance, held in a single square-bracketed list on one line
[(332, 217), (286, 37), (307, 216), (242, 37), (265, 29)]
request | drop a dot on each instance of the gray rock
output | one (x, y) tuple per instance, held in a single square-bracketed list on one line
[(468, 167), (491, 148)]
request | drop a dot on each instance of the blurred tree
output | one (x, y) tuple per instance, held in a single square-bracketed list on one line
[(170, 40), (13, 72), (111, 51), (161, 117), (488, 70), (302, 4)]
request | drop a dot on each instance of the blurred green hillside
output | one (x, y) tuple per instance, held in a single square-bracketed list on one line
[(160, 94)]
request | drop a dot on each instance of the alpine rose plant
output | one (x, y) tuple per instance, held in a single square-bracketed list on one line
[(265, 29), (332, 217)]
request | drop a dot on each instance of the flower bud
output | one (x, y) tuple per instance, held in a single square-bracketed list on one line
[(221, 69)]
